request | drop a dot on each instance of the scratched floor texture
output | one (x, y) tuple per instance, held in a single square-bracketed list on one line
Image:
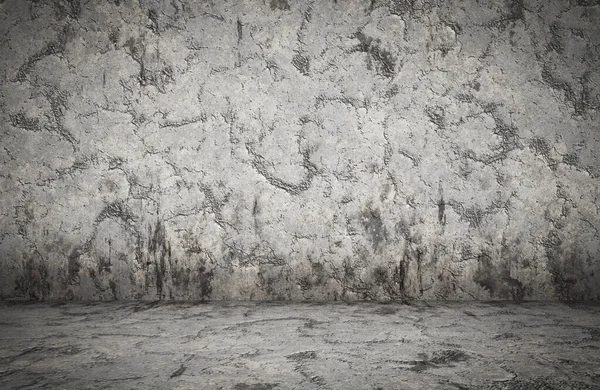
[(245, 346), (300, 150)]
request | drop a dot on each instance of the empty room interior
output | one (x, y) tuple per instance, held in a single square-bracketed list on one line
[(300, 194)]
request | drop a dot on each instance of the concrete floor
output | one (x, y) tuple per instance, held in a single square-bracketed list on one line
[(299, 346)]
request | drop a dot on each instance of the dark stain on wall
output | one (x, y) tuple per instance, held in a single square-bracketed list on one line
[(516, 9), (396, 287), (441, 207), (373, 225), (302, 63), (568, 276), (105, 263), (401, 7), (566, 268), (159, 253), (380, 275), (385, 61), (196, 281), (240, 31), (280, 5), (275, 280), (497, 279), (113, 289), (153, 21), (437, 116), (73, 267), (318, 277), (34, 282)]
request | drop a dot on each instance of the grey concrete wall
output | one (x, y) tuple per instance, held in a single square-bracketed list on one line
[(282, 149)]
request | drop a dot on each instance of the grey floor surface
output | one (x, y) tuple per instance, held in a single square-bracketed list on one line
[(135, 345)]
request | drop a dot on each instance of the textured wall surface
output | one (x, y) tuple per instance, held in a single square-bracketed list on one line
[(282, 149)]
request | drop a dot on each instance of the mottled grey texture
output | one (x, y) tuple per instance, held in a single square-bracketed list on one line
[(401, 149), (247, 346)]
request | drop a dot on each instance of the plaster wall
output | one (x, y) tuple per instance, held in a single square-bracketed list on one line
[(300, 150)]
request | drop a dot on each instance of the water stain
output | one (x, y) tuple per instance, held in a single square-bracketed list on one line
[(497, 279), (373, 225), (159, 252), (73, 267), (441, 206), (280, 5), (34, 281)]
